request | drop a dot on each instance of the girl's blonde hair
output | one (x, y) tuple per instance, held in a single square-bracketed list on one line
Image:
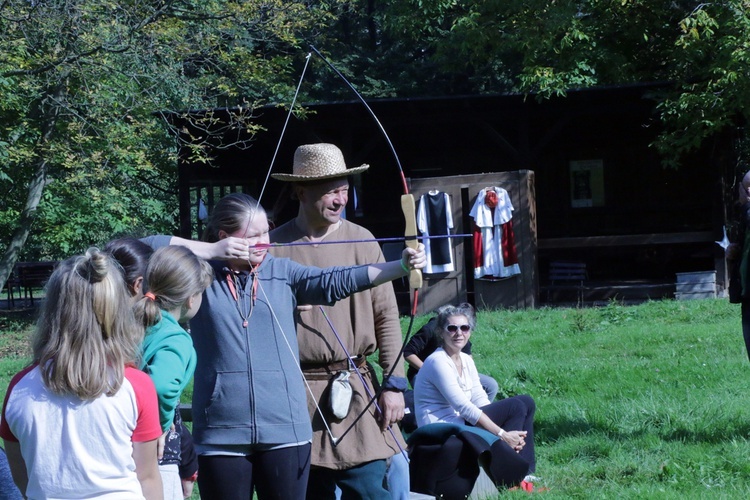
[(174, 274), (86, 332)]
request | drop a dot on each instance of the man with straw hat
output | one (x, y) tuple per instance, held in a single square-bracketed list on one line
[(359, 325)]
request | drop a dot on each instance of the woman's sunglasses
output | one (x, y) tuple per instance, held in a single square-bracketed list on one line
[(454, 328)]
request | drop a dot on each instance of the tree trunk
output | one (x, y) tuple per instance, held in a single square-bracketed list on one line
[(26, 219), (18, 240)]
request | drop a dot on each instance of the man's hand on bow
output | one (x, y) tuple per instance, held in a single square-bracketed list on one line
[(392, 404)]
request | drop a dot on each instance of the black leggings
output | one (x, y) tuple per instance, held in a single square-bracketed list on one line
[(277, 474), (516, 414)]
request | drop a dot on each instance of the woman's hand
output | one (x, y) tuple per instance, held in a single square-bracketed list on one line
[(515, 439), (232, 248), (225, 249), (414, 258), (411, 259)]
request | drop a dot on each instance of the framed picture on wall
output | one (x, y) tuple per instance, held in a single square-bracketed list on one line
[(586, 183)]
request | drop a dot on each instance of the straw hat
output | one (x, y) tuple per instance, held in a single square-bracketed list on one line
[(313, 162)]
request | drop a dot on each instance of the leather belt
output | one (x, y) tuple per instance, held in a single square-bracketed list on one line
[(335, 366)]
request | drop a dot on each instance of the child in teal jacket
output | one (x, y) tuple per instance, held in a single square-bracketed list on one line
[(176, 279)]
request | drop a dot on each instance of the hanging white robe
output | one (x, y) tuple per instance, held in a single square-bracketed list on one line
[(492, 224)]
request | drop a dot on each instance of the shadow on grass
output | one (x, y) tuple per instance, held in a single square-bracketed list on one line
[(25, 314), (554, 430)]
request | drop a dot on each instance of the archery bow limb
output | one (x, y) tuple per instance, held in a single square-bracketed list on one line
[(407, 199), (408, 207), (363, 382)]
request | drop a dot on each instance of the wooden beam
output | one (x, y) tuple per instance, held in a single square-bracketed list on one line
[(627, 239)]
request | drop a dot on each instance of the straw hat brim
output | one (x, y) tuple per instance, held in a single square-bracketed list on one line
[(304, 178)]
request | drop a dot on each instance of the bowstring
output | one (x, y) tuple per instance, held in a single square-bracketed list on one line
[(362, 381), (250, 220), (413, 310), (374, 398), (286, 122), (278, 144), (334, 439)]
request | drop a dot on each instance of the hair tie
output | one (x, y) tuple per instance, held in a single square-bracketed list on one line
[(150, 295)]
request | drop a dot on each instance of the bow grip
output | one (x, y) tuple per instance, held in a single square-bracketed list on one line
[(410, 232)]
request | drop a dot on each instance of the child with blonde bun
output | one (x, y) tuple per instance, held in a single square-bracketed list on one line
[(81, 421)]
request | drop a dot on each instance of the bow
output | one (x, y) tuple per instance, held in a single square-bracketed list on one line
[(410, 238), (408, 207), (407, 199)]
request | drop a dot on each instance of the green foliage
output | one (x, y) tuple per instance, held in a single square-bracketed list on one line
[(80, 82), (713, 57), (79, 85), (545, 49), (527, 46)]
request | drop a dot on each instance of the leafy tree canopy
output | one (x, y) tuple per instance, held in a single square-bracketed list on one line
[(546, 48), (82, 151)]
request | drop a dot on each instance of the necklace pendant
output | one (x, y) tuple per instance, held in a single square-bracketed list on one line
[(244, 324)]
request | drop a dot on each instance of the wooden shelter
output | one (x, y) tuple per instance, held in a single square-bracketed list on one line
[(585, 183)]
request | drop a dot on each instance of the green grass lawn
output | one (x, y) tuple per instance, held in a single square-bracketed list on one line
[(647, 401)]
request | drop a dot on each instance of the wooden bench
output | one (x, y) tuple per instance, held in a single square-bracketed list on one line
[(33, 275), (564, 275)]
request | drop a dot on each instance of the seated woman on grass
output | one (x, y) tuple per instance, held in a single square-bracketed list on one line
[(448, 390)]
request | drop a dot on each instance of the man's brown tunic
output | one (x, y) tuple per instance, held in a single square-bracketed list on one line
[(367, 321)]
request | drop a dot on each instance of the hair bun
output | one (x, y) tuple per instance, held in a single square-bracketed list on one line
[(95, 266)]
